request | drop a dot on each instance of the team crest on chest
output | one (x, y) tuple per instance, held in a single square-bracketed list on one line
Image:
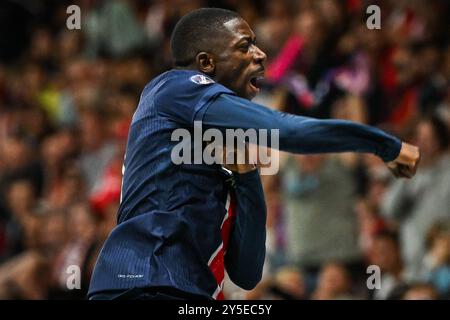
[(201, 79)]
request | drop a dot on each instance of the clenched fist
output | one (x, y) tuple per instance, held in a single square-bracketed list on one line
[(405, 166)]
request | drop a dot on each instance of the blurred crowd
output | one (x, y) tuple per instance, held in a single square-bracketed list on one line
[(67, 98)]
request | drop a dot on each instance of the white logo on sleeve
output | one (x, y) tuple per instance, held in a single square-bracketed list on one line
[(201, 79)]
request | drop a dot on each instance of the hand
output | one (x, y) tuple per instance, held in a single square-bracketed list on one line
[(239, 168), (405, 166)]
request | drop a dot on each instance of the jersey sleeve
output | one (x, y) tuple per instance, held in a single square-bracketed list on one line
[(246, 252), (299, 134), (181, 98)]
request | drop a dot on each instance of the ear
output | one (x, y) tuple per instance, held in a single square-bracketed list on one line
[(205, 63)]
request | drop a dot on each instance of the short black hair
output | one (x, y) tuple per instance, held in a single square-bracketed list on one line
[(195, 31)]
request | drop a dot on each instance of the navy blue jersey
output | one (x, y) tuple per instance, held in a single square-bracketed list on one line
[(172, 217)]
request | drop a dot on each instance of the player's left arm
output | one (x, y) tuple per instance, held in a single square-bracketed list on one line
[(306, 135), (244, 259)]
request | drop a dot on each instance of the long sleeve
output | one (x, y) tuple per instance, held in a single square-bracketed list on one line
[(299, 134), (244, 259)]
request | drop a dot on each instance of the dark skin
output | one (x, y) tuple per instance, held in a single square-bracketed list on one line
[(235, 62), (238, 64)]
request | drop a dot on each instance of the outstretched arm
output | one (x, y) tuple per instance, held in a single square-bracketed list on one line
[(305, 135)]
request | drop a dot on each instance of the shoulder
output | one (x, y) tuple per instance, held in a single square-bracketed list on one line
[(185, 87), (180, 94), (181, 81), (187, 80)]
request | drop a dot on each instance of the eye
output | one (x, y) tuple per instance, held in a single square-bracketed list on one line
[(244, 47)]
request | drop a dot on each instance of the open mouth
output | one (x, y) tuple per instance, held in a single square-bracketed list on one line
[(256, 83)]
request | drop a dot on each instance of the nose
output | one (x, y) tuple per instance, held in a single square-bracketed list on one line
[(258, 55)]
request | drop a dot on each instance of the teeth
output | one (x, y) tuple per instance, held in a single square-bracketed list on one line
[(257, 81)]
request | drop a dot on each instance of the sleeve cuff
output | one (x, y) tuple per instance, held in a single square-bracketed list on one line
[(392, 150)]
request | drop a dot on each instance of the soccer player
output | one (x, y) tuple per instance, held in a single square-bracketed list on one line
[(180, 226)]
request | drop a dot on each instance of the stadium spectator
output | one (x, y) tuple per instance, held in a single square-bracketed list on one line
[(419, 204)]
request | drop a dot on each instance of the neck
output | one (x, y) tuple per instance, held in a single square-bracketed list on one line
[(192, 66)]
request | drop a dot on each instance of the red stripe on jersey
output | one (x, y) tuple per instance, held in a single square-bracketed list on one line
[(217, 265)]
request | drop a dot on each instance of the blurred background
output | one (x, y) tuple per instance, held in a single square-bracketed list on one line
[(67, 97)]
